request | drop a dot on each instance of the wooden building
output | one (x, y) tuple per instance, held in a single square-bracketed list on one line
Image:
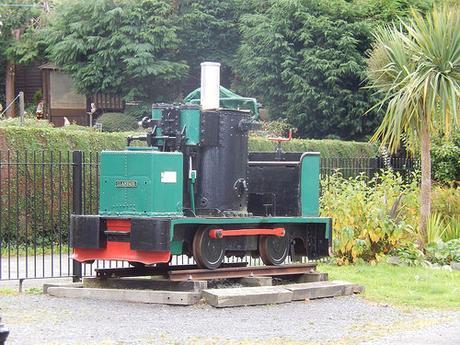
[(28, 79), (58, 94), (62, 100)]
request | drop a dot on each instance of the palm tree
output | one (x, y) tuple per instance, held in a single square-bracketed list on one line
[(415, 69)]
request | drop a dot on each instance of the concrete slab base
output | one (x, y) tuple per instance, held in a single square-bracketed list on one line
[(125, 295), (140, 291), (312, 277), (247, 296), (278, 294), (144, 283), (320, 289), (256, 281), (46, 286)]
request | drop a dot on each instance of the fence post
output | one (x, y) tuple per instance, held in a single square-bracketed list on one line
[(21, 107), (77, 173), (3, 333), (374, 166)]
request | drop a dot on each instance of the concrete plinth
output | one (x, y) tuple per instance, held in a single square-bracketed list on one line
[(321, 289), (256, 281), (144, 283), (124, 295), (247, 296), (312, 277)]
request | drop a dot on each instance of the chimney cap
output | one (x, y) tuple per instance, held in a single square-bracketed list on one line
[(209, 63)]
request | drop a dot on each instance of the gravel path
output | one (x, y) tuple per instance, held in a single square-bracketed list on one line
[(39, 319)]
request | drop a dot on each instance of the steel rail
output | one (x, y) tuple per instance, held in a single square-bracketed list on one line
[(162, 270), (191, 272), (241, 272)]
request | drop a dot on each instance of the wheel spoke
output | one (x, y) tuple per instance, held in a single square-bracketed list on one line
[(273, 250), (208, 252)]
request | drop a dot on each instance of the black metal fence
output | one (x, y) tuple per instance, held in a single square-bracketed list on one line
[(40, 189), (351, 167)]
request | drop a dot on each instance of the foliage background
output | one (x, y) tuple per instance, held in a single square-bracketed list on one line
[(303, 59), (125, 47)]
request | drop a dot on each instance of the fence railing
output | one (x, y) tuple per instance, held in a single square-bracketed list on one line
[(39, 190)]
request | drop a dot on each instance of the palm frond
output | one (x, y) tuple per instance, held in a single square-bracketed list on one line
[(415, 69)]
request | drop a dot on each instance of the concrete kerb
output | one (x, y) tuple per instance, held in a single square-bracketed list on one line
[(36, 283)]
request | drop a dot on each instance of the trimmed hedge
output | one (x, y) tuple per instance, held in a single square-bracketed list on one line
[(87, 139), (59, 139), (328, 147), (117, 122)]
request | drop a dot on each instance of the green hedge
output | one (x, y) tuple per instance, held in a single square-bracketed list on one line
[(59, 139), (86, 139), (117, 122), (327, 147)]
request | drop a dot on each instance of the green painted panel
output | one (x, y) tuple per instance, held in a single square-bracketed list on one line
[(141, 183), (248, 220), (309, 183), (175, 247), (156, 113), (190, 119)]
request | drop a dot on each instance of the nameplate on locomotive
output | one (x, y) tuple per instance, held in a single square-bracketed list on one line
[(125, 184)]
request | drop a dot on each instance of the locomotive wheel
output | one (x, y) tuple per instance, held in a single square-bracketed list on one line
[(273, 250), (208, 252)]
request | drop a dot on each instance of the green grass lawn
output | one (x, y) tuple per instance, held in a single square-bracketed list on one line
[(402, 286)]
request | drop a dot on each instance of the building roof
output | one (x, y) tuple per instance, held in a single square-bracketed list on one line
[(49, 65)]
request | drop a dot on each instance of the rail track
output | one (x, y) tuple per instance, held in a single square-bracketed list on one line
[(192, 272)]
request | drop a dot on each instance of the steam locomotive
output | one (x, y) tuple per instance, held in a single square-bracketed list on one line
[(194, 189)]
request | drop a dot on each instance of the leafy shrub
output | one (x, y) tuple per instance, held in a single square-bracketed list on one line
[(443, 253), (117, 122), (446, 204), (138, 111), (446, 159), (37, 97), (442, 229), (446, 201), (409, 254), (276, 127), (438, 252), (371, 217)]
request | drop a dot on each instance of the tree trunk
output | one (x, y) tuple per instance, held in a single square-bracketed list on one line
[(175, 5), (425, 193), (10, 78), (9, 88)]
